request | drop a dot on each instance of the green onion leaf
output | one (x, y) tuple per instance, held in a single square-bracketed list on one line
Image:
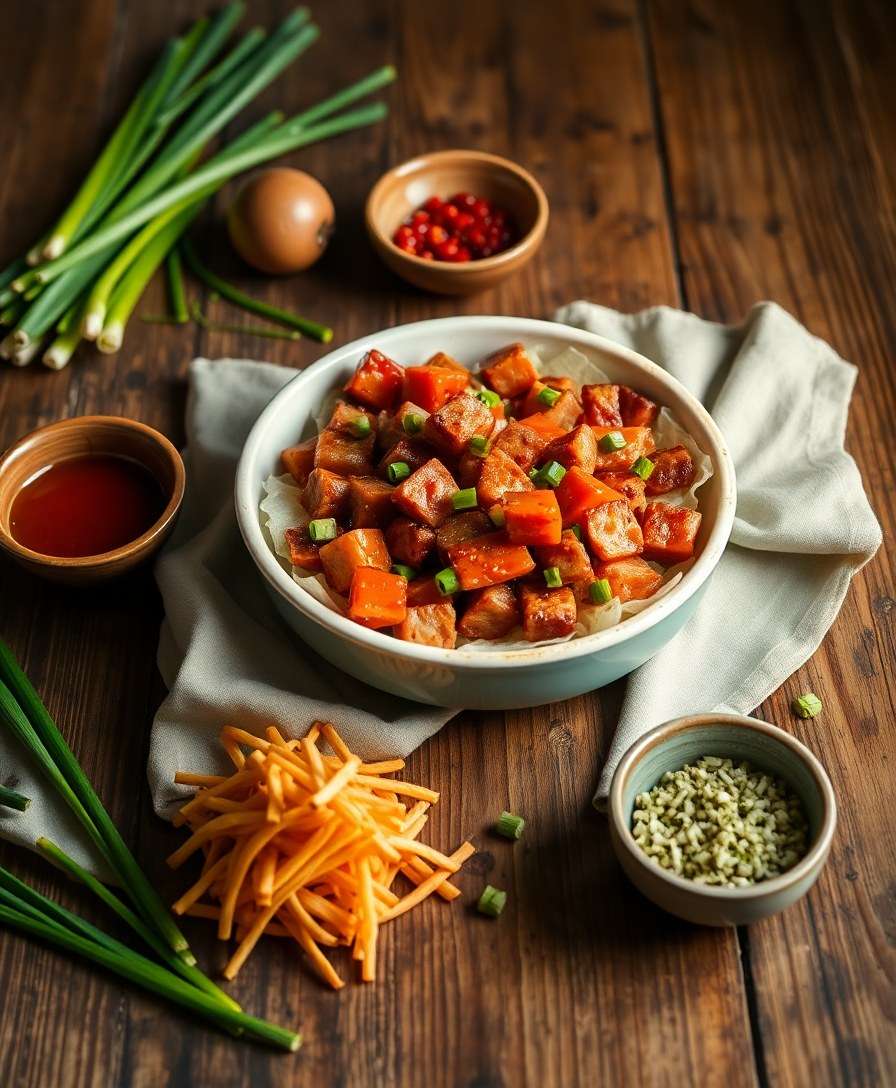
[(478, 445), (497, 516), (488, 398), (446, 582), (533, 474), (10, 799), (492, 901), (612, 442), (360, 426), (412, 423), (398, 471), (553, 578), (404, 571), (643, 467), (510, 826), (548, 396), (321, 530), (576, 531), (600, 591), (465, 499), (552, 473), (807, 706)]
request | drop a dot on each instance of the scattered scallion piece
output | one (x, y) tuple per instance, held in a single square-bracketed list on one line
[(398, 471), (406, 572), (549, 475), (552, 577), (10, 799), (533, 474), (446, 582), (488, 398), (612, 442), (643, 467), (576, 531), (807, 705), (465, 499), (412, 423), (497, 516), (322, 529), (548, 396), (492, 901), (478, 445), (510, 826), (600, 591), (360, 426)]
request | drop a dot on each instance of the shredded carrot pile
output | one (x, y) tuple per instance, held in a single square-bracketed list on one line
[(303, 843)]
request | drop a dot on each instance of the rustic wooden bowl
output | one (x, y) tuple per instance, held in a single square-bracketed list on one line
[(404, 188), (73, 438)]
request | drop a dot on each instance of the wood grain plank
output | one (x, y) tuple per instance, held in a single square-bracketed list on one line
[(776, 124)]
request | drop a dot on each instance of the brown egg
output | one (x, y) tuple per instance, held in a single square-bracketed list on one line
[(281, 220)]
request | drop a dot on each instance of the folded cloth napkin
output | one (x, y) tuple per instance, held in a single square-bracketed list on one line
[(803, 525)]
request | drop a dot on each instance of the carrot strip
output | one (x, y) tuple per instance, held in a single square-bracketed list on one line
[(187, 778), (334, 740), (319, 961), (234, 752), (428, 886), (407, 789), (341, 778), (440, 860), (202, 884), (230, 821), (416, 870)]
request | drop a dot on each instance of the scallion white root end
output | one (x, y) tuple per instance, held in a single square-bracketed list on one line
[(57, 356), (24, 355), (92, 325), (54, 248), (110, 339)]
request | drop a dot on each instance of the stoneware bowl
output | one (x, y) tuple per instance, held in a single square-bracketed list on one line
[(441, 173), (733, 736), (74, 438), (463, 677)]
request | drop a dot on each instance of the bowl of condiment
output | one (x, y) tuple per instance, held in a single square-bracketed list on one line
[(721, 819), (455, 222), (86, 499)]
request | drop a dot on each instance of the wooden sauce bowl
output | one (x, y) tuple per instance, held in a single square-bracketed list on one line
[(404, 188), (90, 435)]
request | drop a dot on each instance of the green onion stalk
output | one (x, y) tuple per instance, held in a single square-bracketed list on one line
[(177, 295), (11, 799)]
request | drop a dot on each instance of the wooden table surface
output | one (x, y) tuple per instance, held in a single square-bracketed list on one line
[(696, 154)]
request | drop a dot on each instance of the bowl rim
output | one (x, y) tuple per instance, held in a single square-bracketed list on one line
[(660, 735), (531, 238), (269, 564), (138, 544)]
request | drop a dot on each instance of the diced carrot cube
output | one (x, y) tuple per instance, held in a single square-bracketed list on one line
[(612, 531), (638, 443), (447, 362), (299, 460), (509, 371), (498, 475), (489, 560), (672, 469), (432, 386), (542, 424), (461, 527), (377, 598), (377, 382), (669, 532), (578, 492), (532, 517), (563, 414), (635, 409), (359, 548), (630, 579)]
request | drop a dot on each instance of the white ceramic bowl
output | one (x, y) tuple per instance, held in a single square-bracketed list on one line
[(459, 677)]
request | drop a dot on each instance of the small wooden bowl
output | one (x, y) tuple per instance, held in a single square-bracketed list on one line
[(74, 438), (442, 173)]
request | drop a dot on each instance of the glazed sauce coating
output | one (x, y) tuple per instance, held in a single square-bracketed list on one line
[(86, 506)]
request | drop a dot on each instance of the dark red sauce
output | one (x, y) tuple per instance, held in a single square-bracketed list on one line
[(86, 506)]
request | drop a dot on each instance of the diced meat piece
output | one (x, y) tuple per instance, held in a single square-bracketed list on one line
[(359, 548), (345, 418), (370, 502), (489, 560), (636, 411), (303, 552), (672, 469), (532, 517), (576, 447), (423, 591), (492, 612), (426, 494), (461, 527), (564, 413), (612, 531), (669, 532), (447, 362), (299, 460), (509, 371), (409, 542), (569, 557), (429, 625), (347, 456), (562, 384), (391, 428), (377, 598), (325, 494), (521, 444), (601, 405), (377, 381), (432, 386), (500, 475), (638, 443), (628, 485), (469, 468), (547, 613), (412, 451), (578, 492), (451, 427), (630, 579)]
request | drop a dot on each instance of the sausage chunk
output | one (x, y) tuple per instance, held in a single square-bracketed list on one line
[(492, 612), (612, 531), (325, 494), (370, 502), (347, 456), (509, 371), (547, 613), (601, 405), (521, 444), (429, 625), (500, 474), (669, 532), (576, 447), (451, 427), (409, 542), (672, 469), (426, 494), (344, 555)]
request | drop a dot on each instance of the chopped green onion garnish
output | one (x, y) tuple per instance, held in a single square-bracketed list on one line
[(405, 571), (806, 706), (488, 398), (446, 582), (398, 471), (479, 445), (465, 499), (600, 591), (360, 427), (322, 529), (643, 467), (497, 515), (492, 901), (552, 577), (548, 396), (412, 423), (552, 473), (533, 474), (612, 442), (510, 826), (576, 531)]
